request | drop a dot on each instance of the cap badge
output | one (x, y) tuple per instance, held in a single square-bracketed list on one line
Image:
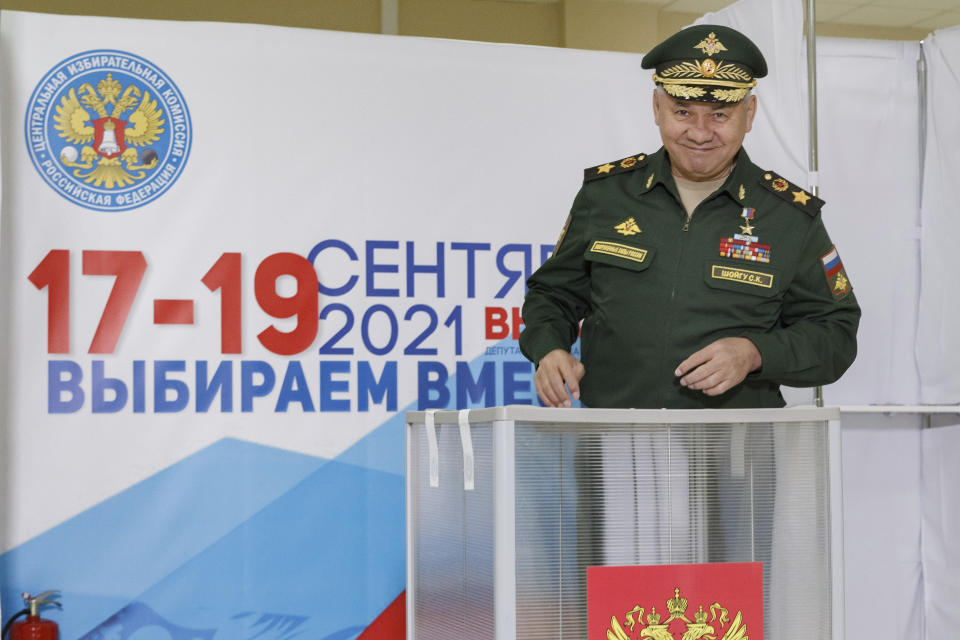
[(628, 227), (709, 68), (710, 45)]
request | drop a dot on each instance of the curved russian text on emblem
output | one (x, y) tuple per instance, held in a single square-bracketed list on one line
[(108, 130)]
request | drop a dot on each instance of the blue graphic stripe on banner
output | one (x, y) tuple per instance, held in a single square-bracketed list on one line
[(241, 540), (104, 557), (324, 558)]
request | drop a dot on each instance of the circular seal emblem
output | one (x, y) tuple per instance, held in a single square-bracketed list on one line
[(108, 130)]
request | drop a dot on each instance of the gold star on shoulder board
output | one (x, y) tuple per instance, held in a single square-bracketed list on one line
[(800, 196), (605, 168)]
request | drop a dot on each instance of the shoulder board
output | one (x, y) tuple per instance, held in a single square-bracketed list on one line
[(612, 168), (786, 190)]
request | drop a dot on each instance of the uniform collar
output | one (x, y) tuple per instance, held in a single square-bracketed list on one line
[(738, 184)]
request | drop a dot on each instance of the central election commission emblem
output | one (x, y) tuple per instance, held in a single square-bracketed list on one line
[(676, 602), (108, 130)]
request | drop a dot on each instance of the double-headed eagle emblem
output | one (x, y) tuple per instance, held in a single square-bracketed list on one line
[(109, 157), (714, 624)]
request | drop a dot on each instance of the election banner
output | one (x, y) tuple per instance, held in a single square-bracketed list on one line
[(233, 256)]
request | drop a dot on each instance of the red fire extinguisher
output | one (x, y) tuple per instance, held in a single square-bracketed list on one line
[(34, 627)]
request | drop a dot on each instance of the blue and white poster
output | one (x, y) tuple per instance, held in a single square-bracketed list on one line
[(233, 257)]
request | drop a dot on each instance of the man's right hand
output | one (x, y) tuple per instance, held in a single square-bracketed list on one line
[(555, 369)]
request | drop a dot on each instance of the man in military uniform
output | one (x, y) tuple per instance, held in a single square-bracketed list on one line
[(700, 279)]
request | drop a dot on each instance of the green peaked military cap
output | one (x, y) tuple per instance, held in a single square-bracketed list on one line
[(706, 63)]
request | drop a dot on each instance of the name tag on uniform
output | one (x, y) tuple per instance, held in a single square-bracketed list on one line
[(619, 250), (733, 274)]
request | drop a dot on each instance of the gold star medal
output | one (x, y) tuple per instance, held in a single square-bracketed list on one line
[(745, 245)]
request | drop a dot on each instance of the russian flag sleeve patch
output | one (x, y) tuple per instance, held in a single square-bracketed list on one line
[(837, 280)]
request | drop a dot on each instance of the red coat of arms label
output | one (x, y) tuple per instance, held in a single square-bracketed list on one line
[(676, 602)]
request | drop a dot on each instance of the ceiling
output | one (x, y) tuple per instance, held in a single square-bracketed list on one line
[(919, 14)]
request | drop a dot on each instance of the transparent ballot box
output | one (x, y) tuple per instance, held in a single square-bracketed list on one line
[(507, 506)]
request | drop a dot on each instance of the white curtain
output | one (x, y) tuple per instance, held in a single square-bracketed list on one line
[(869, 173), (868, 120), (882, 484), (938, 341), (940, 531), (779, 137)]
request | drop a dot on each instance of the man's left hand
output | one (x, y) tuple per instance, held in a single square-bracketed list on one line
[(719, 366)]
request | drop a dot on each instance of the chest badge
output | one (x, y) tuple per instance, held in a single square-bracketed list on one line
[(745, 245), (628, 227)]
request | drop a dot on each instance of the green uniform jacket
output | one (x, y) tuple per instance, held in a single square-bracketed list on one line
[(653, 287)]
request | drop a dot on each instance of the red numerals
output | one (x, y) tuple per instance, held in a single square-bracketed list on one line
[(225, 276), (54, 272), (303, 303), (128, 267)]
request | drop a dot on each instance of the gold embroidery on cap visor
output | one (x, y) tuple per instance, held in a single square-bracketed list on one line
[(708, 69), (729, 95), (723, 81), (684, 92), (687, 89)]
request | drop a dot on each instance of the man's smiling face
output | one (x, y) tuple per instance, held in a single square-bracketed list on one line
[(702, 138)]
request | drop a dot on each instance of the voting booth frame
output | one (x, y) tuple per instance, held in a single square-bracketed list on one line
[(508, 506)]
